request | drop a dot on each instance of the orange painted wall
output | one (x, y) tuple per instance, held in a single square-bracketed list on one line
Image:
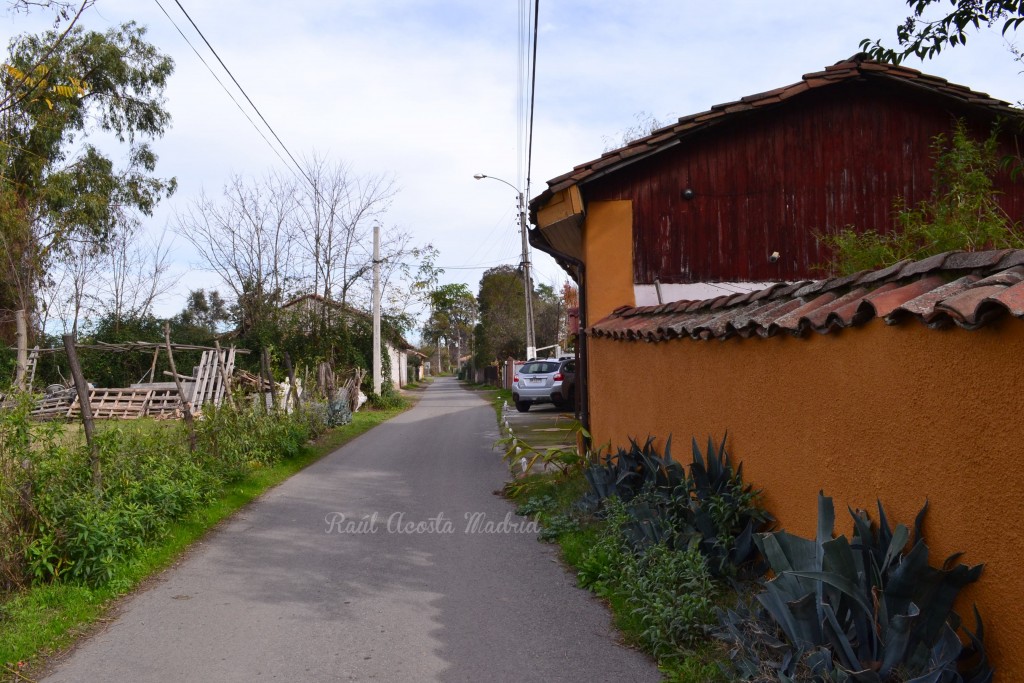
[(900, 413), (608, 253)]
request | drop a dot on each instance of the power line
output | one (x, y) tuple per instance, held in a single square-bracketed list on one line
[(533, 99), (295, 164), (244, 93), (220, 83)]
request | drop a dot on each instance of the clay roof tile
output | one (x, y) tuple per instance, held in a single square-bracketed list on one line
[(795, 320), (1011, 299), (966, 309), (925, 266), (972, 260), (885, 300), (924, 306)]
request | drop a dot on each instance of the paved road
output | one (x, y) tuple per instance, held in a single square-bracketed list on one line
[(290, 590)]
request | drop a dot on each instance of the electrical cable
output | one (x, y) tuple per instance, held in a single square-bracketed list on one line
[(295, 166), (244, 93), (221, 83), (533, 99)]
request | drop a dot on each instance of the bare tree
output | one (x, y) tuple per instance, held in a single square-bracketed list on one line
[(338, 209), (248, 239), (62, 297), (136, 275)]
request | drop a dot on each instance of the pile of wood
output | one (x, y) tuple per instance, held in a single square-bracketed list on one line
[(209, 385)]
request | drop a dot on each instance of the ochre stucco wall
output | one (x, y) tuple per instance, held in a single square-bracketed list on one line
[(900, 413), (608, 253)]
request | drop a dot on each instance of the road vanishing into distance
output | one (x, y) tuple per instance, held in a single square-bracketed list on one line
[(391, 559)]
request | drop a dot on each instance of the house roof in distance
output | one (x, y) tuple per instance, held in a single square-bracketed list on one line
[(856, 68), (965, 289), (399, 340)]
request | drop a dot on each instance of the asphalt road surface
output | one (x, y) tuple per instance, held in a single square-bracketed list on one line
[(389, 560)]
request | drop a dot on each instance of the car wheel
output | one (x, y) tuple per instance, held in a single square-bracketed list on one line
[(522, 406)]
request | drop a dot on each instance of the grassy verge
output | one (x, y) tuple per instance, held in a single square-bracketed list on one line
[(583, 541), (496, 396), (46, 619)]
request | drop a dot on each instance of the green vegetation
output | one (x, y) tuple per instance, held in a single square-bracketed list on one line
[(68, 553), (669, 547), (924, 37), (836, 607), (962, 212), (659, 584)]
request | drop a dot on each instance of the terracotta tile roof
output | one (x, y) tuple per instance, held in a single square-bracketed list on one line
[(966, 289), (858, 67)]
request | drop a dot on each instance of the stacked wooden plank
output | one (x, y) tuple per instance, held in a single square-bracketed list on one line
[(209, 383), (159, 400), (121, 404), (52, 407), (164, 403)]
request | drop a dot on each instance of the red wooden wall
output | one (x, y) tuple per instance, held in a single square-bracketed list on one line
[(770, 180)]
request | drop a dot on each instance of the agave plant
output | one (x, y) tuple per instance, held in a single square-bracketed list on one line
[(723, 514), (864, 611), (632, 470), (710, 508)]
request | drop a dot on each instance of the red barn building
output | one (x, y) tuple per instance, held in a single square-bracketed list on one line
[(738, 194)]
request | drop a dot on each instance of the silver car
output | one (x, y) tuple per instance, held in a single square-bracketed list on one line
[(545, 381)]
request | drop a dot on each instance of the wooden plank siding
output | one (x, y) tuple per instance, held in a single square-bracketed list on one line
[(773, 179)]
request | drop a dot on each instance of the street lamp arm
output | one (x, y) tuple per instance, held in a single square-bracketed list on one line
[(531, 343), (481, 176)]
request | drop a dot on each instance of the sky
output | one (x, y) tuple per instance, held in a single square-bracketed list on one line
[(426, 91)]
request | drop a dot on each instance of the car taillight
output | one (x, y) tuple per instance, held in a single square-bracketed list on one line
[(515, 378), (558, 377)]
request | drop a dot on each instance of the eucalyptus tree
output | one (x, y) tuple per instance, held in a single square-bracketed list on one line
[(57, 189)]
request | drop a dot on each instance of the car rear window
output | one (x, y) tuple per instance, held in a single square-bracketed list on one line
[(539, 368)]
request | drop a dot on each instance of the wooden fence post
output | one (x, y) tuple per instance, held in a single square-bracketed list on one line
[(224, 376), (181, 390), (86, 409), (291, 380), (265, 364)]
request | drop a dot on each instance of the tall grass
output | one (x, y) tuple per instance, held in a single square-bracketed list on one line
[(57, 526)]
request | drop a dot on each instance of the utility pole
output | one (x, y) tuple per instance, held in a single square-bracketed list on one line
[(376, 309), (531, 341), (21, 371)]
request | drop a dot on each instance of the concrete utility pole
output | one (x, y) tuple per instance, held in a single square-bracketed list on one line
[(376, 309), (531, 340), (21, 371)]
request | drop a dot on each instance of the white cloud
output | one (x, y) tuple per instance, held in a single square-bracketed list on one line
[(426, 90)]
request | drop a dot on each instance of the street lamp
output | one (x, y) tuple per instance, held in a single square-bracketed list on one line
[(531, 342)]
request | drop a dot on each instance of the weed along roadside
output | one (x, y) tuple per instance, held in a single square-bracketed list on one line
[(64, 564), (696, 574)]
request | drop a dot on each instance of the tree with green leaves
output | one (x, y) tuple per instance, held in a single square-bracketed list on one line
[(502, 329), (56, 188), (926, 32), (453, 312)]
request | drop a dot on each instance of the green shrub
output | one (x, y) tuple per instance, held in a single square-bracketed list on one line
[(669, 591), (673, 594), (388, 399), (962, 212), (709, 507), (58, 527)]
